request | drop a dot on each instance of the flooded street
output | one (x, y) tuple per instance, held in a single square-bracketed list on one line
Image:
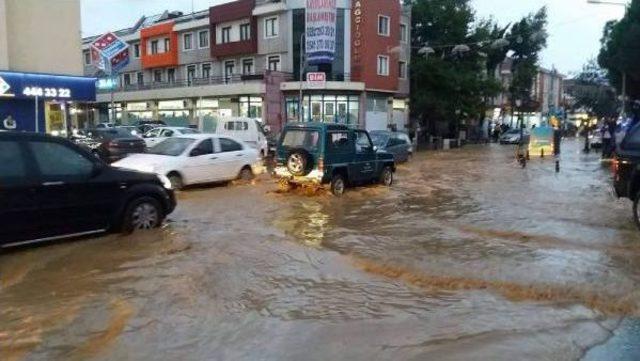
[(466, 257)]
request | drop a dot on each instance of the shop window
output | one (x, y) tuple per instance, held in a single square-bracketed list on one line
[(271, 27), (383, 25), (226, 35), (203, 39), (245, 32), (187, 41)]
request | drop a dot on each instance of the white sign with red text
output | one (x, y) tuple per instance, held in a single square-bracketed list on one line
[(316, 80)]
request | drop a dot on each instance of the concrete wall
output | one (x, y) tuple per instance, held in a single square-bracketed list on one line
[(277, 44), (45, 36)]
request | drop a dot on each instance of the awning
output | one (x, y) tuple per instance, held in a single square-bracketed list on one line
[(46, 86)]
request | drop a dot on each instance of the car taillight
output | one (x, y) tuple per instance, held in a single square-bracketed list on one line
[(321, 164)]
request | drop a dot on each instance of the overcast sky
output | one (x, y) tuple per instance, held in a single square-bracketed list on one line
[(575, 27)]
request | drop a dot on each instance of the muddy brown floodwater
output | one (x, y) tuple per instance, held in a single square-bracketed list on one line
[(467, 257)]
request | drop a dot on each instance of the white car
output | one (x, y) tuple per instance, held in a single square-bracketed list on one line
[(157, 135), (197, 158)]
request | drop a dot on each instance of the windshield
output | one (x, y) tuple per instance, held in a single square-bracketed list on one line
[(172, 146), (306, 139), (379, 139)]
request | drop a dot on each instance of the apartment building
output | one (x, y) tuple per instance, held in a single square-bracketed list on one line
[(242, 58), (41, 88)]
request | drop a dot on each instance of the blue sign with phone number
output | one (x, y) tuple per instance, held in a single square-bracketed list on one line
[(46, 86)]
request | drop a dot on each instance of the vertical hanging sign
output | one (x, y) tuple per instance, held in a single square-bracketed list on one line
[(321, 18)]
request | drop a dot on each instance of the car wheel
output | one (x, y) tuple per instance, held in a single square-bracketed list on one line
[(246, 174), (386, 177), (176, 181), (298, 163), (338, 185), (142, 213)]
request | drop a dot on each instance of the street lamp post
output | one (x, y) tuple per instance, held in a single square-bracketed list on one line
[(302, 66)]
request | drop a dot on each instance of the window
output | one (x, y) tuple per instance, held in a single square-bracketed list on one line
[(206, 70), (167, 45), (245, 32), (273, 63), (187, 41), (339, 142), (226, 35), (383, 25), (127, 79), (140, 77), (363, 144), (383, 65), (171, 75), (247, 66), (403, 33), (87, 58), (136, 50), (154, 47), (229, 67), (271, 27), (58, 162), (203, 39), (205, 147), (13, 170), (157, 76), (402, 69), (228, 145), (191, 72)]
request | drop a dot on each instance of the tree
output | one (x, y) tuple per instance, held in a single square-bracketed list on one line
[(590, 91), (451, 83), (527, 38), (620, 52)]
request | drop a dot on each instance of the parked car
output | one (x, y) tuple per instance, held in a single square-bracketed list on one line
[(50, 188), (320, 153), (395, 143), (250, 131), (157, 135), (626, 180), (512, 136), (197, 158), (114, 144), (131, 129)]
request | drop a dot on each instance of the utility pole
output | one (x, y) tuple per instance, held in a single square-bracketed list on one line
[(302, 66)]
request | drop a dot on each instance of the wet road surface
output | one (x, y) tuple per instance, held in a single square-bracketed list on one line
[(467, 257)]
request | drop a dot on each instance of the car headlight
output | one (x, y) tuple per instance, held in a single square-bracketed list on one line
[(166, 183)]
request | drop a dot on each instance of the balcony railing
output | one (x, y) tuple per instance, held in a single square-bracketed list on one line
[(192, 82)]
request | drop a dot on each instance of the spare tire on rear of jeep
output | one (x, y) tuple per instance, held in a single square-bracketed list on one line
[(299, 162)]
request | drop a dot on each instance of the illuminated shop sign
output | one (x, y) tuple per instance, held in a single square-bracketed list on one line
[(45, 86)]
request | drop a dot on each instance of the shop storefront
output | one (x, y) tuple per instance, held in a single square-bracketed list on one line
[(326, 108), (43, 102)]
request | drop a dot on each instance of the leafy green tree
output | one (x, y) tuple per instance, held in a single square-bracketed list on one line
[(591, 92), (620, 51), (527, 38), (450, 82)]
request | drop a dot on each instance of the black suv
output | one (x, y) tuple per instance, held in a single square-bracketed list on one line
[(626, 181), (320, 153), (51, 188)]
